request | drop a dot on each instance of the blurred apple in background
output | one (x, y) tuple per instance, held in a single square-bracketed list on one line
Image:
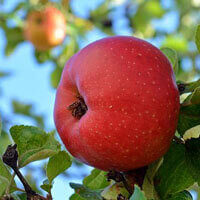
[(45, 28)]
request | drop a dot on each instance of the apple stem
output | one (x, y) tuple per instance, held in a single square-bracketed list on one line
[(129, 179), (181, 88), (119, 177), (179, 140), (78, 108), (136, 176), (121, 197), (10, 158)]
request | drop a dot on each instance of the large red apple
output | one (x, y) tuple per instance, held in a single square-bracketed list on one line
[(45, 28), (117, 104)]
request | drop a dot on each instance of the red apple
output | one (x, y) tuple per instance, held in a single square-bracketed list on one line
[(45, 28), (117, 104)]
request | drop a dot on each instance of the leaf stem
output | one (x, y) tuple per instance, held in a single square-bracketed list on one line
[(10, 183), (188, 103), (179, 140), (19, 189)]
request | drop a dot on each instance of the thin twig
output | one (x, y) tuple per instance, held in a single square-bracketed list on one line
[(179, 140), (10, 158)]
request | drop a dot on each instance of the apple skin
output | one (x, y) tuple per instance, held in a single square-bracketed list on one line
[(133, 104), (45, 28)]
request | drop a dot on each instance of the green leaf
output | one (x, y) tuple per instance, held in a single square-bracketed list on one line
[(4, 74), (32, 180), (197, 37), (27, 110), (85, 192), (67, 52), (174, 175), (195, 97), (101, 19), (21, 108), (176, 42), (148, 183), (193, 132), (20, 6), (4, 141), (190, 87), (14, 37), (0, 125), (76, 197), (138, 194), (5, 178), (141, 21), (113, 190), (172, 56), (189, 117), (20, 196), (58, 164), (101, 12), (79, 26), (184, 195), (193, 158), (183, 5), (55, 77), (96, 180), (33, 143), (46, 186), (42, 56)]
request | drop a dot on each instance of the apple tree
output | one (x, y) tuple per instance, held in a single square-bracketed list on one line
[(57, 31)]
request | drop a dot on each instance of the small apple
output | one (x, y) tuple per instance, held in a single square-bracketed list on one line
[(117, 104), (45, 28)]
